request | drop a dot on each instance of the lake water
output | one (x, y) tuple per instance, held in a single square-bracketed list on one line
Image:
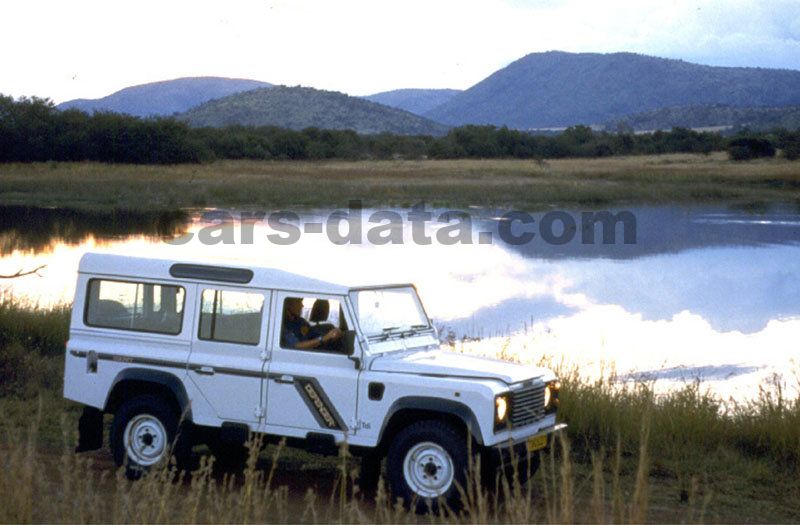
[(708, 293)]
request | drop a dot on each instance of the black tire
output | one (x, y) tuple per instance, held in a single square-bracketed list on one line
[(149, 408), (448, 439)]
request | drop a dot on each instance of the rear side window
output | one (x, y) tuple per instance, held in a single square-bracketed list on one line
[(142, 307), (231, 317)]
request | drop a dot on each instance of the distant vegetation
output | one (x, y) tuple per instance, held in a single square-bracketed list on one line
[(33, 130), (756, 118), (557, 89), (164, 98), (418, 101), (299, 108)]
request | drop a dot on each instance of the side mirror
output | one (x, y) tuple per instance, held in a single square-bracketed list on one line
[(349, 345)]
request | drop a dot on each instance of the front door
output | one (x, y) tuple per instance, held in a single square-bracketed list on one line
[(311, 389), (227, 363)]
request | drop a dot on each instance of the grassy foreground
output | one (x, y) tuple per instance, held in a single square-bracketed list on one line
[(629, 456), (521, 183)]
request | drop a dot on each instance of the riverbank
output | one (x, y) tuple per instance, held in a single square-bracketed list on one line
[(524, 184), (630, 455)]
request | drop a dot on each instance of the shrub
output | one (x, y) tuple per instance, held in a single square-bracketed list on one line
[(747, 148), (792, 150), (789, 143)]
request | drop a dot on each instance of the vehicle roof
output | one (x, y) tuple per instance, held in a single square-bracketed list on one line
[(114, 265)]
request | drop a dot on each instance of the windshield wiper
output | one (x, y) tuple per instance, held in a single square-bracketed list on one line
[(395, 331), (385, 333), (414, 329)]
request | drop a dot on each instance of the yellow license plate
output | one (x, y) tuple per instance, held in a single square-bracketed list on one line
[(537, 443)]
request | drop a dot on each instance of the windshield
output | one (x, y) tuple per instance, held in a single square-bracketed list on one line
[(390, 312)]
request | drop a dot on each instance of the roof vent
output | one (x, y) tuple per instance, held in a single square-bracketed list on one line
[(211, 273)]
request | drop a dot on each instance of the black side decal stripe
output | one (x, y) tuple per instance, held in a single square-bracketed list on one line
[(308, 388), (169, 364), (318, 403)]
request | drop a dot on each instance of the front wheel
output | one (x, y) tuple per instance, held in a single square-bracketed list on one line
[(427, 462)]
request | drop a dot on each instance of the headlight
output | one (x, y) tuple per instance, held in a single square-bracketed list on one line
[(500, 411), (551, 396)]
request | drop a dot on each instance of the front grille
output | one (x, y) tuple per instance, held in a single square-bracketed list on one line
[(527, 405)]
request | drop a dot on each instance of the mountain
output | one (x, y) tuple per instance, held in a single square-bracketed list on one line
[(759, 118), (166, 97), (417, 101), (302, 107), (560, 89)]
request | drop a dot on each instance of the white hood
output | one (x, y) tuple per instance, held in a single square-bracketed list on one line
[(451, 364)]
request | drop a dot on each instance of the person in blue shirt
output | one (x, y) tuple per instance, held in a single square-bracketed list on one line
[(298, 333)]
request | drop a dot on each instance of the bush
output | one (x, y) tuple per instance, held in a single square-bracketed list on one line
[(747, 148), (789, 143), (792, 151)]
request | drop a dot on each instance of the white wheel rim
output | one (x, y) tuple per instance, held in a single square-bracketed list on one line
[(145, 440), (428, 469)]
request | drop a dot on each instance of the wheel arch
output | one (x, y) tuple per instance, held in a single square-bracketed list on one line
[(414, 408), (136, 381)]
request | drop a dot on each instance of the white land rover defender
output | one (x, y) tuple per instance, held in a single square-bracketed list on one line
[(185, 353)]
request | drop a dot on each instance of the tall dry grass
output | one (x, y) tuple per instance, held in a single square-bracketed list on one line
[(519, 183), (39, 487), (629, 455)]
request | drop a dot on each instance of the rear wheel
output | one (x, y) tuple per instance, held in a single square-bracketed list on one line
[(427, 462), (145, 433)]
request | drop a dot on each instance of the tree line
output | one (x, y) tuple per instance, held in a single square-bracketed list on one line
[(33, 129)]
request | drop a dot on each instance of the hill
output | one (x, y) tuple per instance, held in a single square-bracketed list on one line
[(166, 97), (759, 118), (560, 89), (302, 107), (417, 101)]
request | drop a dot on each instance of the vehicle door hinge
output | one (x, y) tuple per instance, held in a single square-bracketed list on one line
[(259, 412)]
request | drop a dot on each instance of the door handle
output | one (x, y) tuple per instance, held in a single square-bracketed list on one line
[(285, 380), (206, 370)]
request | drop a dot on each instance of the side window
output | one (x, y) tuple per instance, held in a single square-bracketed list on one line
[(143, 307), (306, 319), (231, 317)]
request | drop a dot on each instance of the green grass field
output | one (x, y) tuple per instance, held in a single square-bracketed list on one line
[(628, 456), (522, 184)]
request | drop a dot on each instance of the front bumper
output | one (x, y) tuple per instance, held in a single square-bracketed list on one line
[(513, 459), (515, 440)]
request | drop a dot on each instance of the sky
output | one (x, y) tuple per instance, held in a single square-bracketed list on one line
[(89, 49)]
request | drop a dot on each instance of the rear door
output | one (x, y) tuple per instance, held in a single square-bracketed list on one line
[(227, 362)]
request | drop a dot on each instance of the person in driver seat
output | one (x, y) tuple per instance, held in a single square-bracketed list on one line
[(298, 333)]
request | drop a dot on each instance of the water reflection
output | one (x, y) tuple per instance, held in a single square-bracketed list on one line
[(707, 292), (668, 229), (34, 229), (692, 373)]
